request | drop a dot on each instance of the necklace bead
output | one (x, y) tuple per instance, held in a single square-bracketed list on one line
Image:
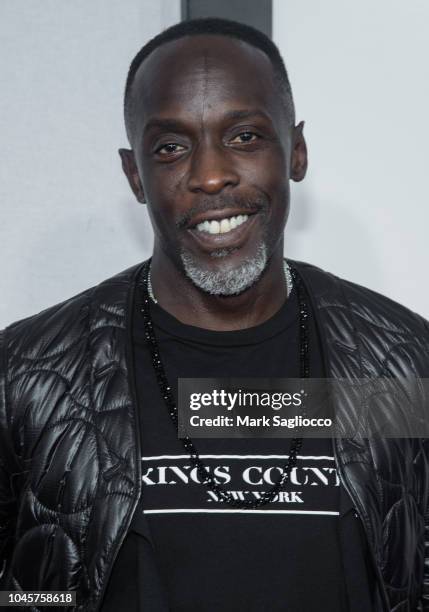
[(292, 280)]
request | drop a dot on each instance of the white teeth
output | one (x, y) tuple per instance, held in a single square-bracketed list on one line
[(225, 226), (214, 227), (222, 226)]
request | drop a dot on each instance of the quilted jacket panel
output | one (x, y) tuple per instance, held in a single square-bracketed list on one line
[(69, 440)]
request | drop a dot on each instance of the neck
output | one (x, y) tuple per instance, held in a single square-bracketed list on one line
[(176, 294)]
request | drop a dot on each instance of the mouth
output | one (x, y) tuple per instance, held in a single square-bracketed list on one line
[(223, 229)]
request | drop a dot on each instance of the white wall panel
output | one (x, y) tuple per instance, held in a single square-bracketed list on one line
[(359, 71), (68, 218)]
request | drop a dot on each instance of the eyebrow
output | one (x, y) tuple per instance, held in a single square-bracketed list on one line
[(176, 126), (245, 114), (165, 124)]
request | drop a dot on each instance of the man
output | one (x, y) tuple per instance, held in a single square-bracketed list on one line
[(98, 494)]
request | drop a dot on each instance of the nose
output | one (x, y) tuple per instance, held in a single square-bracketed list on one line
[(211, 170)]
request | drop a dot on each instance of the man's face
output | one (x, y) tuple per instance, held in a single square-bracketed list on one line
[(213, 147)]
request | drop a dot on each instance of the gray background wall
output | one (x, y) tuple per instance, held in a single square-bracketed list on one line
[(68, 219), (360, 76)]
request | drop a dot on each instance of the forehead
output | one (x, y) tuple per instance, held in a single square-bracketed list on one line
[(184, 75)]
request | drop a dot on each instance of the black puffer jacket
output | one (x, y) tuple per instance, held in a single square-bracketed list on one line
[(70, 475)]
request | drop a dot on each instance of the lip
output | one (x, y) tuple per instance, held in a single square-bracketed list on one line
[(216, 215), (232, 238)]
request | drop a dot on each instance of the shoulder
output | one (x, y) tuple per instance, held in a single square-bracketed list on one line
[(62, 325), (330, 291)]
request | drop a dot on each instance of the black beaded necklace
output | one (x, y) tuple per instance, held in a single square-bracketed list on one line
[(206, 478)]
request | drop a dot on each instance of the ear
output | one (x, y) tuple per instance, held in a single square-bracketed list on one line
[(299, 160), (129, 167)]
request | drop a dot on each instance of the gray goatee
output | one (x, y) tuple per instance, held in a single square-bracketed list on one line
[(227, 281)]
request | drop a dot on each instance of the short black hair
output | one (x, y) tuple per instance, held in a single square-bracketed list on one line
[(212, 25)]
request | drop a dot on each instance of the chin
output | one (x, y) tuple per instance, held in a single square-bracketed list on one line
[(227, 279)]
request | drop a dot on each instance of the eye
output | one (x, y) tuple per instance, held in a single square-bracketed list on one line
[(245, 137), (169, 148)]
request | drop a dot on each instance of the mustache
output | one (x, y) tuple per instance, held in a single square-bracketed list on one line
[(260, 203)]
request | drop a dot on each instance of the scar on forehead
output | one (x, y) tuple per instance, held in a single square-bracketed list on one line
[(207, 55), (206, 82)]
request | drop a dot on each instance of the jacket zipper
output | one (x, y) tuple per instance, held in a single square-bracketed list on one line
[(359, 509), (131, 378), (361, 514)]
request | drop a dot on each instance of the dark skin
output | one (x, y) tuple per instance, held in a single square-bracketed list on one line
[(210, 132)]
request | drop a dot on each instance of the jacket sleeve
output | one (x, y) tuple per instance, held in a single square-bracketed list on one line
[(425, 594), (8, 504), (424, 601)]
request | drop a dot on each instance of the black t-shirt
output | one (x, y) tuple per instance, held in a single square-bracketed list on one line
[(209, 556)]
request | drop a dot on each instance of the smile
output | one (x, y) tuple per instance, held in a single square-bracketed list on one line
[(224, 232), (222, 226)]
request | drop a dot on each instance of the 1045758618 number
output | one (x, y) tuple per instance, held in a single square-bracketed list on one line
[(31, 598)]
